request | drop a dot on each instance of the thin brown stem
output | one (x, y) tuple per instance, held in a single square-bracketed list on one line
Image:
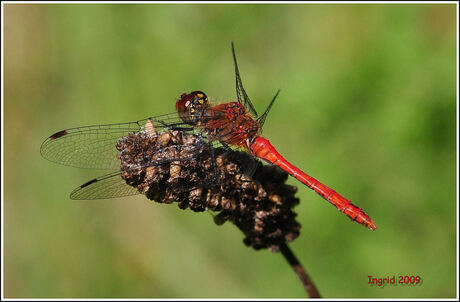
[(300, 271)]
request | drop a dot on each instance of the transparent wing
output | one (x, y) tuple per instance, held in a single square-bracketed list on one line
[(112, 185), (94, 147), (261, 119), (107, 186), (240, 92)]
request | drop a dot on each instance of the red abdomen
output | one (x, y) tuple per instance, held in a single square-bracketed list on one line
[(262, 148)]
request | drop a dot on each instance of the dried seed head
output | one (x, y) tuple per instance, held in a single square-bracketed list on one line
[(174, 166), (164, 138), (275, 198), (174, 169), (150, 128)]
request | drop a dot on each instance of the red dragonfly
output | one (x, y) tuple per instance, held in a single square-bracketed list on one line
[(234, 123)]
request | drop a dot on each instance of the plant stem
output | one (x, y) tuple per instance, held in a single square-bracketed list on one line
[(300, 271)]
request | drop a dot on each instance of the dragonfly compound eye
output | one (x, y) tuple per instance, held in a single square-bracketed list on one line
[(191, 106)]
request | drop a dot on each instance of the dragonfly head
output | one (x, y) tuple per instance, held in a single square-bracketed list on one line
[(190, 106)]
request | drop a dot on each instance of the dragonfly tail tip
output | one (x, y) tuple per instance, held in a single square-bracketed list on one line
[(371, 225)]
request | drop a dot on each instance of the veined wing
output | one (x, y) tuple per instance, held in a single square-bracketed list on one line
[(94, 147), (240, 92), (112, 185), (104, 187)]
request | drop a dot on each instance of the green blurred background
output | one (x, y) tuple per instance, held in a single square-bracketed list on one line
[(367, 105)]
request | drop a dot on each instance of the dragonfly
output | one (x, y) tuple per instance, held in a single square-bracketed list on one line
[(231, 124)]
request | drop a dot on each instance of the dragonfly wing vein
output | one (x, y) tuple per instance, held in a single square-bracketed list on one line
[(104, 187)]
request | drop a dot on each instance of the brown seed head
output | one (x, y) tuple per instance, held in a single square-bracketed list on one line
[(168, 167)]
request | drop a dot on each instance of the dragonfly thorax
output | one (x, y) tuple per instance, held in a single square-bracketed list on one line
[(230, 124), (191, 106)]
